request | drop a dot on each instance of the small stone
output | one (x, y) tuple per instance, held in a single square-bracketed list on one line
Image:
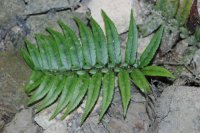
[(70, 124), (118, 10), (169, 39), (196, 61), (138, 98), (80, 110), (178, 110), (180, 48), (22, 122)]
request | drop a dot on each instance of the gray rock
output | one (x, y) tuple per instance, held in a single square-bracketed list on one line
[(13, 75), (178, 110), (141, 8), (39, 23), (55, 125), (12, 79), (118, 11), (143, 43), (136, 121), (198, 4), (22, 123), (71, 122), (13, 39), (9, 9), (170, 37), (150, 24), (39, 6), (196, 61), (180, 48)]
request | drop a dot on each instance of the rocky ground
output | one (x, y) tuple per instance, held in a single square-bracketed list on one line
[(173, 107)]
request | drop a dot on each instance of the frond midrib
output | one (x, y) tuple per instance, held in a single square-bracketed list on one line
[(76, 71)]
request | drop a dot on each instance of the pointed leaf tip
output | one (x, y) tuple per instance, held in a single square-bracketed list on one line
[(108, 86), (92, 95), (151, 49), (157, 71), (87, 41), (125, 89), (132, 42), (140, 81), (113, 40), (100, 43)]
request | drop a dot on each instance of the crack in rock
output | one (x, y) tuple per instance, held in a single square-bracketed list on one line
[(169, 109)]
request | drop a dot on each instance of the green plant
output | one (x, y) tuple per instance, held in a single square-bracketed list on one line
[(174, 15), (172, 9), (66, 68)]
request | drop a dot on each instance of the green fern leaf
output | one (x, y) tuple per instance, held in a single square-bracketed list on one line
[(27, 58), (77, 95), (100, 43), (74, 46), (50, 52), (168, 7), (113, 40), (34, 54), (68, 67), (34, 81), (132, 42), (87, 44), (92, 94), (125, 89), (160, 4), (184, 11), (157, 71), (42, 51), (108, 91), (77, 84), (54, 91), (65, 95), (42, 90), (63, 49), (140, 81), (151, 49), (56, 49)]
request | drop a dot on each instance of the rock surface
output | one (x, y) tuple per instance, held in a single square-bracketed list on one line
[(13, 75), (10, 9), (41, 6), (38, 24), (178, 110), (143, 43), (180, 48), (13, 39), (136, 120), (22, 123), (118, 11), (71, 122), (196, 61)]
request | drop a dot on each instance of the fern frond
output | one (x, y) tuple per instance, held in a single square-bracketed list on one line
[(67, 67)]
